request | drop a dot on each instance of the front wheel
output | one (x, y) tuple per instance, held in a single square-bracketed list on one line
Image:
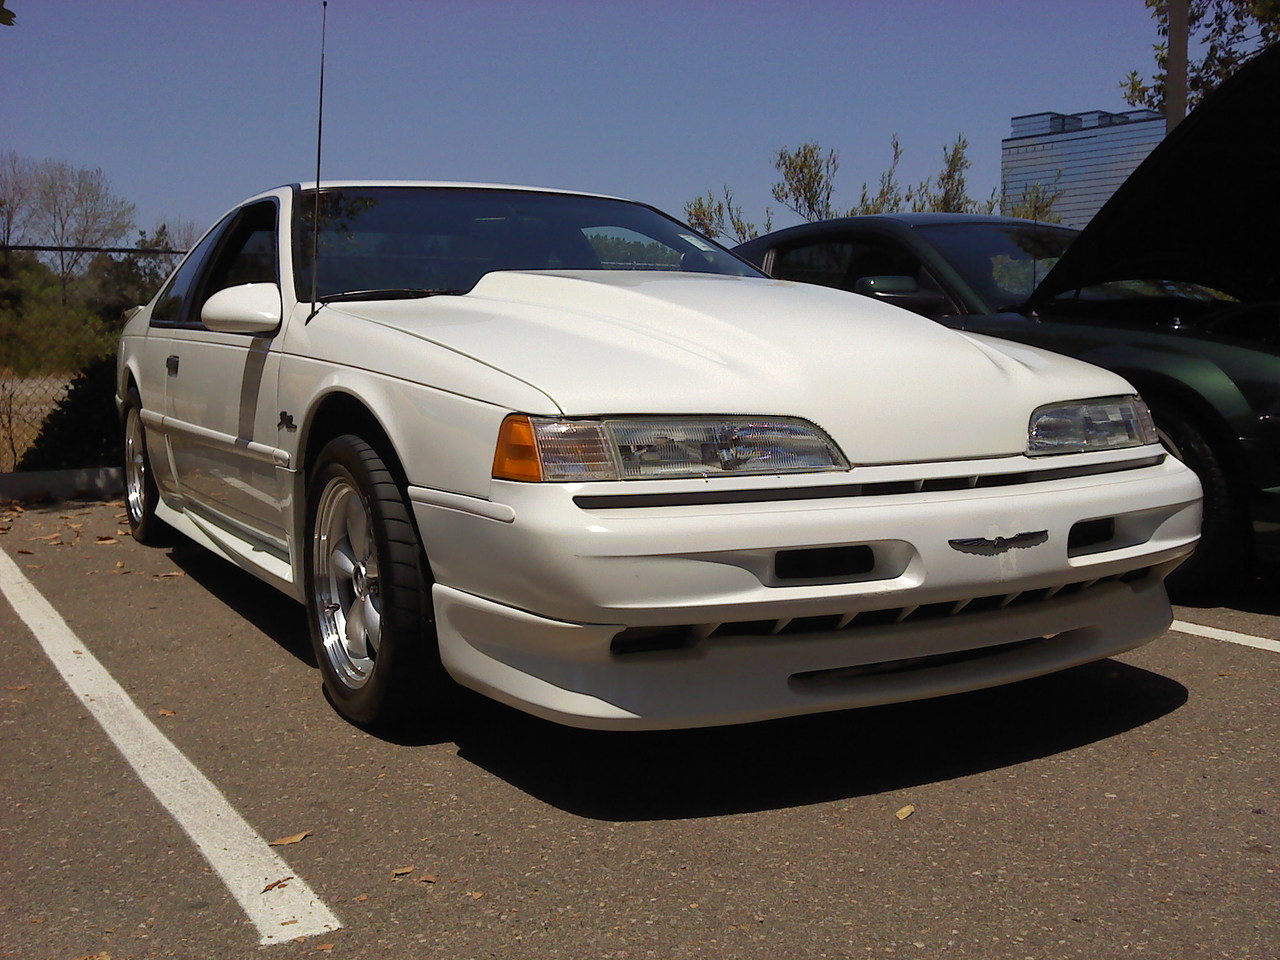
[(368, 589), (1224, 549)]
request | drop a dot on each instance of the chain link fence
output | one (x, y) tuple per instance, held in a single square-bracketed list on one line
[(56, 360), (25, 403)]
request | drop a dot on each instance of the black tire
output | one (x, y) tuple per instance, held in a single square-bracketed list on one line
[(140, 493), (1224, 551), (368, 590)]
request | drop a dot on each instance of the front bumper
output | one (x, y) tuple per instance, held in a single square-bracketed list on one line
[(536, 595)]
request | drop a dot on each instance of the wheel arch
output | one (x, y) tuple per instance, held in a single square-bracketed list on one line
[(1159, 390), (340, 412), (336, 413)]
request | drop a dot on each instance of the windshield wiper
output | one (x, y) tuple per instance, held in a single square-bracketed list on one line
[(389, 293)]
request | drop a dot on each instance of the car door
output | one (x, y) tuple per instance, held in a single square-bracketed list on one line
[(220, 416)]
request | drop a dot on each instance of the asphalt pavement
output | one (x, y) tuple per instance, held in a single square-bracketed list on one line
[(1126, 808)]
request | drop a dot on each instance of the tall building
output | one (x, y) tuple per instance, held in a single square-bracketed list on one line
[(1085, 155)]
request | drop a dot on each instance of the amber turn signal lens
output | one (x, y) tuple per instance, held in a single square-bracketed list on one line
[(517, 455)]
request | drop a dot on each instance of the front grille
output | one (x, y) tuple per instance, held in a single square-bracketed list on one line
[(842, 490), (639, 639)]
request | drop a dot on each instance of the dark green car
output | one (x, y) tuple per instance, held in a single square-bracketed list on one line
[(1175, 284)]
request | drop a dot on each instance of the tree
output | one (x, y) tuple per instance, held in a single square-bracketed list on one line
[(714, 217), (1228, 32), (889, 198), (74, 207), (112, 283), (807, 186), (17, 188), (1035, 203), (949, 192), (808, 178)]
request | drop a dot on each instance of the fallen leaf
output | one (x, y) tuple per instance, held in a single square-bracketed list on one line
[(324, 948), (27, 552), (362, 898), (474, 894), (402, 872), (286, 923), (906, 811), (106, 540), (169, 713), (21, 686), (292, 838), (47, 536), (276, 883), (172, 573), (428, 878)]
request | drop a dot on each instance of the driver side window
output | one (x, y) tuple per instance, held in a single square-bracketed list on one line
[(241, 249), (247, 255)]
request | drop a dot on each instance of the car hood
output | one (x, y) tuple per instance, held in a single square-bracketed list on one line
[(888, 385), (1202, 207)]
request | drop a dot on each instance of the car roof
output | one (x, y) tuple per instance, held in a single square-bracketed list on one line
[(339, 184)]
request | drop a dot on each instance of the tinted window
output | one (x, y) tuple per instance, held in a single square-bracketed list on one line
[(171, 306), (842, 263), (388, 239), (247, 254), (1001, 262)]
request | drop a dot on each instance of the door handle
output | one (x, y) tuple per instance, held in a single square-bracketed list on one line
[(171, 364)]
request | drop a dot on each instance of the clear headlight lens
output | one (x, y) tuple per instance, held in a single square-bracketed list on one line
[(649, 448), (1105, 423)]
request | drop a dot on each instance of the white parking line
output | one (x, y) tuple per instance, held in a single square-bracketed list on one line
[(237, 854), (1213, 633)]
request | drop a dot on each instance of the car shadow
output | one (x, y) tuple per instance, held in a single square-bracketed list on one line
[(261, 604), (1259, 592), (794, 762), (631, 776)]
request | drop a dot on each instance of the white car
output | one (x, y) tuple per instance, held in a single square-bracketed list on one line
[(562, 450)]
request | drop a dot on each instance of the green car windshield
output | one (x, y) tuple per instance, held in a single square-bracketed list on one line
[(387, 242), (1004, 262)]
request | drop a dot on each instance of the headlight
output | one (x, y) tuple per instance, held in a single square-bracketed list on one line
[(1107, 423), (648, 448)]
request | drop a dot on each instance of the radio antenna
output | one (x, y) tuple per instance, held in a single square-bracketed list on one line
[(315, 210)]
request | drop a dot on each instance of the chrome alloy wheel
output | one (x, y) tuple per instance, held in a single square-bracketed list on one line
[(344, 577), (135, 465)]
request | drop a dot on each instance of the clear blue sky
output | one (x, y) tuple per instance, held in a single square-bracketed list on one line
[(191, 106)]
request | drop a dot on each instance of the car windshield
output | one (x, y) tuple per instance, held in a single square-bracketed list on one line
[(383, 242), (1003, 263)]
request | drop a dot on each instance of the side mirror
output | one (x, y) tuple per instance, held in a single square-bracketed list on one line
[(248, 308), (901, 292)]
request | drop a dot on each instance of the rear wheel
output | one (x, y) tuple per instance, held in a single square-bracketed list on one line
[(368, 589), (1224, 549), (140, 493)]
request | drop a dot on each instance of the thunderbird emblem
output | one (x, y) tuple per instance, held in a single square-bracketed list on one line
[(989, 548)]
